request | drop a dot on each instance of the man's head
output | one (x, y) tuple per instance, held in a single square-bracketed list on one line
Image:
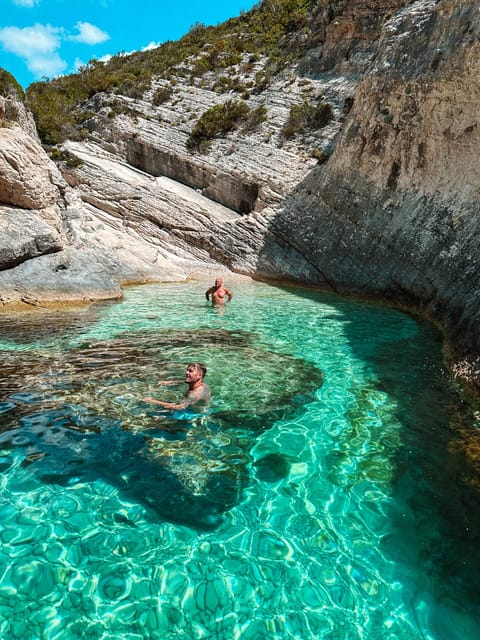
[(195, 371), (218, 282)]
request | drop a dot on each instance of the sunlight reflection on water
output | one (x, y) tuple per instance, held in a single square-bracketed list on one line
[(308, 503)]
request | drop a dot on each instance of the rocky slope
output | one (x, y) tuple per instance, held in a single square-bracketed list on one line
[(381, 202), (62, 245)]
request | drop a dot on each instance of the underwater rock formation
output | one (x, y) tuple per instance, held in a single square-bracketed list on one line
[(83, 418)]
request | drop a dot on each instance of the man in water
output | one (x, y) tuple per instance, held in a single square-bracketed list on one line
[(218, 293), (198, 391)]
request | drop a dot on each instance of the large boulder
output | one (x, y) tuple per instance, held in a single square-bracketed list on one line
[(24, 235)]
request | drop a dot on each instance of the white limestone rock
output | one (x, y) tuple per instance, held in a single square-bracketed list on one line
[(28, 178)]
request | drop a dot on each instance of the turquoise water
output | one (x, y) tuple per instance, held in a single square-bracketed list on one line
[(331, 491)]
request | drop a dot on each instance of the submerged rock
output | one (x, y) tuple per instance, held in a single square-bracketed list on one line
[(82, 416)]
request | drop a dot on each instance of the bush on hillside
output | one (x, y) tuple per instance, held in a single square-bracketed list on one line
[(219, 119), (13, 93), (9, 86), (66, 157), (307, 117), (162, 94), (263, 32), (255, 118)]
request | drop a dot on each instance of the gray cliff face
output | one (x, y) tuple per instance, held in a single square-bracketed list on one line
[(381, 202), (395, 212)]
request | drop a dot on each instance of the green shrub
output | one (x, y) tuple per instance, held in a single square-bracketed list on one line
[(161, 95), (132, 86), (255, 118), (9, 86), (201, 65), (62, 155), (53, 105), (13, 92), (320, 154), (118, 107), (219, 119), (224, 84), (307, 117), (262, 81)]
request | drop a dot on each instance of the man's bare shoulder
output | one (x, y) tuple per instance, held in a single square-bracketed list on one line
[(202, 393)]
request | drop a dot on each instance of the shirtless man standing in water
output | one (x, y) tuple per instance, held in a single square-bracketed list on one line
[(218, 293), (198, 391)]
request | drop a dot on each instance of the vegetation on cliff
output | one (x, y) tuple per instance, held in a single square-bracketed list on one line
[(12, 92), (273, 30), (306, 117), (9, 86), (221, 119)]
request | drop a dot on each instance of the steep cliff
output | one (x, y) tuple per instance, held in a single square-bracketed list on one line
[(395, 212), (353, 167)]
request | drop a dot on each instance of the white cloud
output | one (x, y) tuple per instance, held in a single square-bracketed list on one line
[(37, 45), (30, 40), (26, 3), (89, 34), (47, 66), (40, 45), (151, 45)]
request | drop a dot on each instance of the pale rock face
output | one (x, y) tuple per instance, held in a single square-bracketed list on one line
[(15, 111), (30, 200), (28, 179), (394, 214), (66, 277)]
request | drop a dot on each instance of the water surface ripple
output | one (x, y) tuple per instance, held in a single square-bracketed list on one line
[(330, 491)]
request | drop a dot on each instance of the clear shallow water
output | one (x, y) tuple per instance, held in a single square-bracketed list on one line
[(331, 492)]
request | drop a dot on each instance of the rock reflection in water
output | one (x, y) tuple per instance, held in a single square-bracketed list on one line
[(79, 414)]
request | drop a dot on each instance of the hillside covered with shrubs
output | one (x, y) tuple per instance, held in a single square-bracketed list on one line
[(275, 31)]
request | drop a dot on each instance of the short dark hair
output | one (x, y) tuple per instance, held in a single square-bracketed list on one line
[(199, 366)]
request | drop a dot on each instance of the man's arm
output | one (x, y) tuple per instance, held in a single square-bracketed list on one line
[(198, 395), (228, 293), (208, 292), (167, 405)]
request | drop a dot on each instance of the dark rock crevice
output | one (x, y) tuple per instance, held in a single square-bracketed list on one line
[(231, 190)]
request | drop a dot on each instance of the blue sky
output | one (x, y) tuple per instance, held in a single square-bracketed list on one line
[(46, 38)]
